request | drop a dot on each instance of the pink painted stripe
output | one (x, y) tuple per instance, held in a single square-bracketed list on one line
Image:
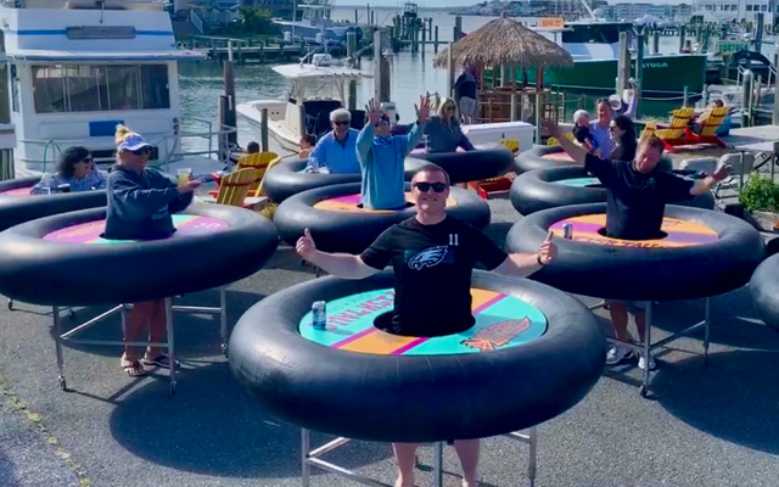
[(354, 337), (405, 348), (349, 199), (409, 346)]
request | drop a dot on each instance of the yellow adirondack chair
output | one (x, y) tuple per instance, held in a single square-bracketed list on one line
[(234, 188), (261, 161), (711, 121), (677, 129)]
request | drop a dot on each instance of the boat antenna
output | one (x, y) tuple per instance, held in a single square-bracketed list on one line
[(588, 9)]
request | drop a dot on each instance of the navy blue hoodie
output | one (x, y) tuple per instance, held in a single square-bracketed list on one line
[(140, 205)]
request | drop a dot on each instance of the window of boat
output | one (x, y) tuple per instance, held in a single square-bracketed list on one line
[(597, 33), (86, 87)]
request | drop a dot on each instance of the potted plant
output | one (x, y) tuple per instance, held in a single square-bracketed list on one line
[(760, 198)]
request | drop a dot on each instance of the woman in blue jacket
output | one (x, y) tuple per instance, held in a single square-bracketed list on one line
[(140, 203)]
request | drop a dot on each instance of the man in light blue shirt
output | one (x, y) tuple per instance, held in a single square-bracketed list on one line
[(381, 156), (336, 151)]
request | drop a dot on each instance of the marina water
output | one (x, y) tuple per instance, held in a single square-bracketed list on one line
[(411, 75)]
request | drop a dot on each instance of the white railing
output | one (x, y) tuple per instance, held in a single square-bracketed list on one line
[(172, 146)]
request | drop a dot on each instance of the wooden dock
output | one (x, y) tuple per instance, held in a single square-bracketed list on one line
[(246, 50)]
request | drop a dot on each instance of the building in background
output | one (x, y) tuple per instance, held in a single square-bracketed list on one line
[(630, 12), (736, 10)]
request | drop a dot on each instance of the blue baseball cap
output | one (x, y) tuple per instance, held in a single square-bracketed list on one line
[(133, 142)]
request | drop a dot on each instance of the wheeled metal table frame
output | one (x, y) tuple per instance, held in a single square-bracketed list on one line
[(70, 336), (313, 459), (645, 348)]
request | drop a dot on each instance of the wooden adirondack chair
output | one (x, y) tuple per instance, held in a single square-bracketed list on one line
[(261, 161), (234, 188)]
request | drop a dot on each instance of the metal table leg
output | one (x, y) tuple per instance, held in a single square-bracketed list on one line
[(706, 332), (55, 314), (171, 344), (305, 447), (438, 464), (223, 318), (533, 455), (644, 390)]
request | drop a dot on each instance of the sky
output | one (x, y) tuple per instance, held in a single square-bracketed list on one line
[(454, 3)]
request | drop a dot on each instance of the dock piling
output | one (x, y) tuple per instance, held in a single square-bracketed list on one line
[(264, 130)]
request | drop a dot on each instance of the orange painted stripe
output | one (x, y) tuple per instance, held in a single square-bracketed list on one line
[(382, 343)]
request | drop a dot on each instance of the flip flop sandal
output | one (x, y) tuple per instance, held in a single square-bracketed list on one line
[(161, 360), (133, 368)]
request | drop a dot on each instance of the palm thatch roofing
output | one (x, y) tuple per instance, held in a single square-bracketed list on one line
[(505, 41)]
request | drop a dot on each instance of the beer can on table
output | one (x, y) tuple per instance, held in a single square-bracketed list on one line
[(319, 315), (568, 231)]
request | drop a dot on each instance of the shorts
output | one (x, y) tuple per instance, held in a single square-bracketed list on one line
[(467, 106), (632, 306)]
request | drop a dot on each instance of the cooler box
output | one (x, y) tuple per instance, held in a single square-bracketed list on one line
[(493, 133)]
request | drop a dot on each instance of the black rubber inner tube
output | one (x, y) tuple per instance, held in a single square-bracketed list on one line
[(533, 158), (764, 286), (337, 224), (471, 165), (705, 253), (19, 208), (57, 260), (416, 398), (286, 179), (567, 185)]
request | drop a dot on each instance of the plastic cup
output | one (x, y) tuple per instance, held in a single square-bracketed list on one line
[(183, 176)]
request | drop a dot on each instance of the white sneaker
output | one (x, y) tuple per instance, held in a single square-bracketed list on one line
[(642, 362), (618, 354)]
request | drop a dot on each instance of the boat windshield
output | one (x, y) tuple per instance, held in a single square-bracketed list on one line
[(594, 33), (313, 88)]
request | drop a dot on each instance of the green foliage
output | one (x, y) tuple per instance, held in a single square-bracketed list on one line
[(252, 22), (760, 193)]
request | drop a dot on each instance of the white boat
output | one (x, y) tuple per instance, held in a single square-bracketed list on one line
[(74, 69), (316, 89)]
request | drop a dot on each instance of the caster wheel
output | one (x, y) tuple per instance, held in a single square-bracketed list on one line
[(63, 384), (643, 391), (10, 305), (172, 391), (225, 350)]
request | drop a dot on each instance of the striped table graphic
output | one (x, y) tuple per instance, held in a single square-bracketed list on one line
[(348, 203), (579, 182), (24, 191), (89, 232), (679, 233), (502, 321)]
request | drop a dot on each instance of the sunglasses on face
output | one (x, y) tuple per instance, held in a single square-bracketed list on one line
[(142, 152), (612, 127), (425, 187), (342, 122)]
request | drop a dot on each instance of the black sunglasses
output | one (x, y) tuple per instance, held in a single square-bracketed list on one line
[(425, 187), (142, 152), (343, 122)]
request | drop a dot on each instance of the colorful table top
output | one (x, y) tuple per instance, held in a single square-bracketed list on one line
[(680, 233), (89, 232), (561, 156), (502, 321), (24, 191), (580, 182), (348, 203)]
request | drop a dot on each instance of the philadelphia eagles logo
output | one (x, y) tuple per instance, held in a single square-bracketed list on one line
[(430, 257)]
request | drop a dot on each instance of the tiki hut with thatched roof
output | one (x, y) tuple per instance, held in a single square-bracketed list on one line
[(506, 42)]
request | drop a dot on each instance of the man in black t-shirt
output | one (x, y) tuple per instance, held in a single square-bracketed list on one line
[(433, 256), (637, 194)]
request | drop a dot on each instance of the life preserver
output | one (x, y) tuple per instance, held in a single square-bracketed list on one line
[(703, 253), (61, 259), (764, 286), (18, 205), (338, 224), (353, 380), (569, 185)]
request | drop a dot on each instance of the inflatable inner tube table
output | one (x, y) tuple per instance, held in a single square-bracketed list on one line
[(701, 254), (354, 380), (61, 260)]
